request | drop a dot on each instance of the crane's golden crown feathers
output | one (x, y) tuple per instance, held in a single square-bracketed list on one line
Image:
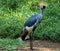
[(43, 4)]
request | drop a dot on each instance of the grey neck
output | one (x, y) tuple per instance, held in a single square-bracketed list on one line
[(42, 11)]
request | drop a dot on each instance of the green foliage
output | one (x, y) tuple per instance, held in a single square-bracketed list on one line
[(9, 44), (14, 13), (14, 4)]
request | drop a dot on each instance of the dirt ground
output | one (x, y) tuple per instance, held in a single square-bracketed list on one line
[(39, 45)]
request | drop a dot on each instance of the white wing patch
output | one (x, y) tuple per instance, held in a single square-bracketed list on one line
[(30, 29)]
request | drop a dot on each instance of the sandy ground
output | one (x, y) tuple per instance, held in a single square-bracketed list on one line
[(39, 45)]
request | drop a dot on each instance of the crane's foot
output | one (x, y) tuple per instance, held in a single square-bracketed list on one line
[(32, 49)]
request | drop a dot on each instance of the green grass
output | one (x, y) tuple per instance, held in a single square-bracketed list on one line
[(9, 44)]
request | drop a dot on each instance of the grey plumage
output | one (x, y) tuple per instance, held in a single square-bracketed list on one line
[(32, 20)]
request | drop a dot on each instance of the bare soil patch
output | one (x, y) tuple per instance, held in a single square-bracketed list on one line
[(39, 45)]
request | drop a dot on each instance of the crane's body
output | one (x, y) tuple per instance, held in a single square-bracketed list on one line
[(32, 20), (31, 24)]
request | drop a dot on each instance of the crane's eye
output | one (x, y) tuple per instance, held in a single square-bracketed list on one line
[(43, 7)]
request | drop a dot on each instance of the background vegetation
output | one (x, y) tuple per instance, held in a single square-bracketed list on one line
[(10, 44), (14, 13)]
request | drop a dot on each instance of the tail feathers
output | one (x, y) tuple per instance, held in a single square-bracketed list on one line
[(24, 34)]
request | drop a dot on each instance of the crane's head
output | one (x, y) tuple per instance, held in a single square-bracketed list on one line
[(43, 5)]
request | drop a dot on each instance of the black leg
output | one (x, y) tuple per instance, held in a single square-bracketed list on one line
[(31, 42)]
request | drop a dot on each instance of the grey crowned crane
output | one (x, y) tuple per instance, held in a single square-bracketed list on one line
[(31, 24)]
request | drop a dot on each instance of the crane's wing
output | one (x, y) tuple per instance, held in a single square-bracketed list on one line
[(31, 21)]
